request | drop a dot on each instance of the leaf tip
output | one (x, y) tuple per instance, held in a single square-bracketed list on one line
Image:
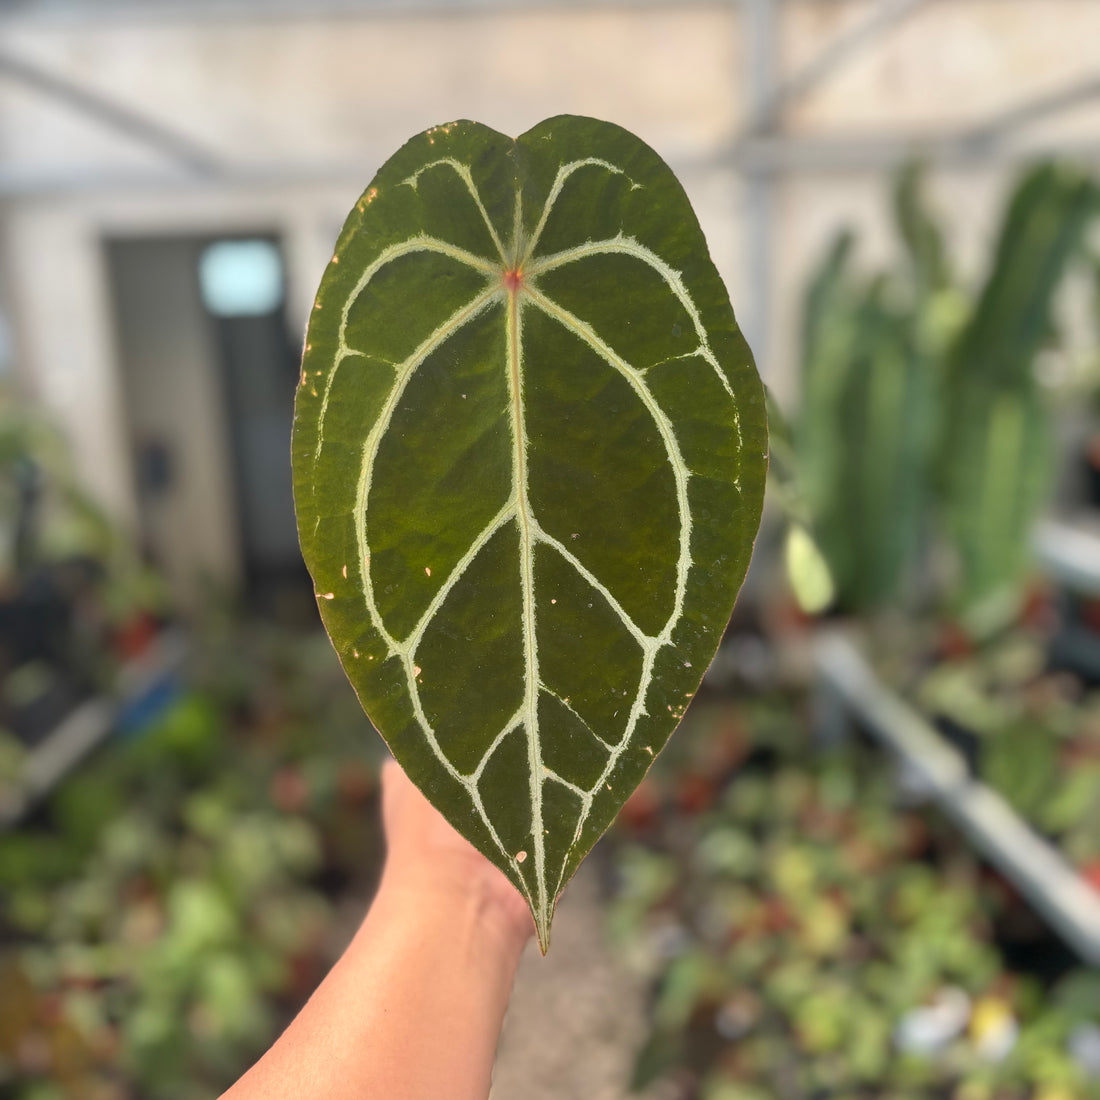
[(542, 931)]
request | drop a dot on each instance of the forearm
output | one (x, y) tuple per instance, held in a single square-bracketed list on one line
[(412, 1009)]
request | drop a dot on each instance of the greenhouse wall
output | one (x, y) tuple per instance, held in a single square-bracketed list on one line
[(270, 119)]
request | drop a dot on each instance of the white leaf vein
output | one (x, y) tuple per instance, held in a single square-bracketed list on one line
[(680, 471), (421, 243), (563, 174), (464, 174), (640, 636), (547, 690), (524, 520), (554, 777), (404, 372), (630, 246)]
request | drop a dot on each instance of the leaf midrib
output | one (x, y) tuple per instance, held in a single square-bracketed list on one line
[(524, 520)]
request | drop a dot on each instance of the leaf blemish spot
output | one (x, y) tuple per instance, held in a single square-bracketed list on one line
[(428, 570), (345, 572), (327, 595), (416, 670), (520, 856)]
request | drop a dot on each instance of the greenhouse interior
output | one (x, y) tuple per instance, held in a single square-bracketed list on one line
[(867, 862)]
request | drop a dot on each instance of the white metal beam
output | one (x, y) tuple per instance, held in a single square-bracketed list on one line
[(176, 147)]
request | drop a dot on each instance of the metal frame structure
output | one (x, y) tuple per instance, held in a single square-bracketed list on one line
[(761, 152), (760, 145), (850, 690)]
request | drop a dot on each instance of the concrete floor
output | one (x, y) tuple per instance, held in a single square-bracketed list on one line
[(576, 1016)]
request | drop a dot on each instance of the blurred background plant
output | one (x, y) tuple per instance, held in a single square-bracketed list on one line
[(923, 422), (75, 598), (168, 906), (172, 904), (808, 934)]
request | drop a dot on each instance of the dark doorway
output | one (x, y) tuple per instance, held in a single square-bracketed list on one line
[(208, 371)]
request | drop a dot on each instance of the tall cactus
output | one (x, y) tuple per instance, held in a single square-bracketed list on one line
[(995, 460), (869, 523), (928, 263), (921, 408), (867, 418)]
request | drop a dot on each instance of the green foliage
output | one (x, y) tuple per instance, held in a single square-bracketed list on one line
[(866, 433), (529, 454), (803, 919), (994, 463), (46, 517), (930, 264), (1037, 734), (921, 413), (156, 934)]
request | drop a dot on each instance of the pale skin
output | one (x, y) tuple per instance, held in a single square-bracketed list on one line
[(413, 1008)]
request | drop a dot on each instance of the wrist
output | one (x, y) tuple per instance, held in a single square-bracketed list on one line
[(474, 901)]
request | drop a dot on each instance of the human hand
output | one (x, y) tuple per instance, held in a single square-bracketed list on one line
[(413, 1008), (428, 858)]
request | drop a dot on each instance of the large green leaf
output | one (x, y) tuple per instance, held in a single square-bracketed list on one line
[(529, 458)]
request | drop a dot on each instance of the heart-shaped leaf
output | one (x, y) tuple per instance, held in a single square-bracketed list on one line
[(529, 458)]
